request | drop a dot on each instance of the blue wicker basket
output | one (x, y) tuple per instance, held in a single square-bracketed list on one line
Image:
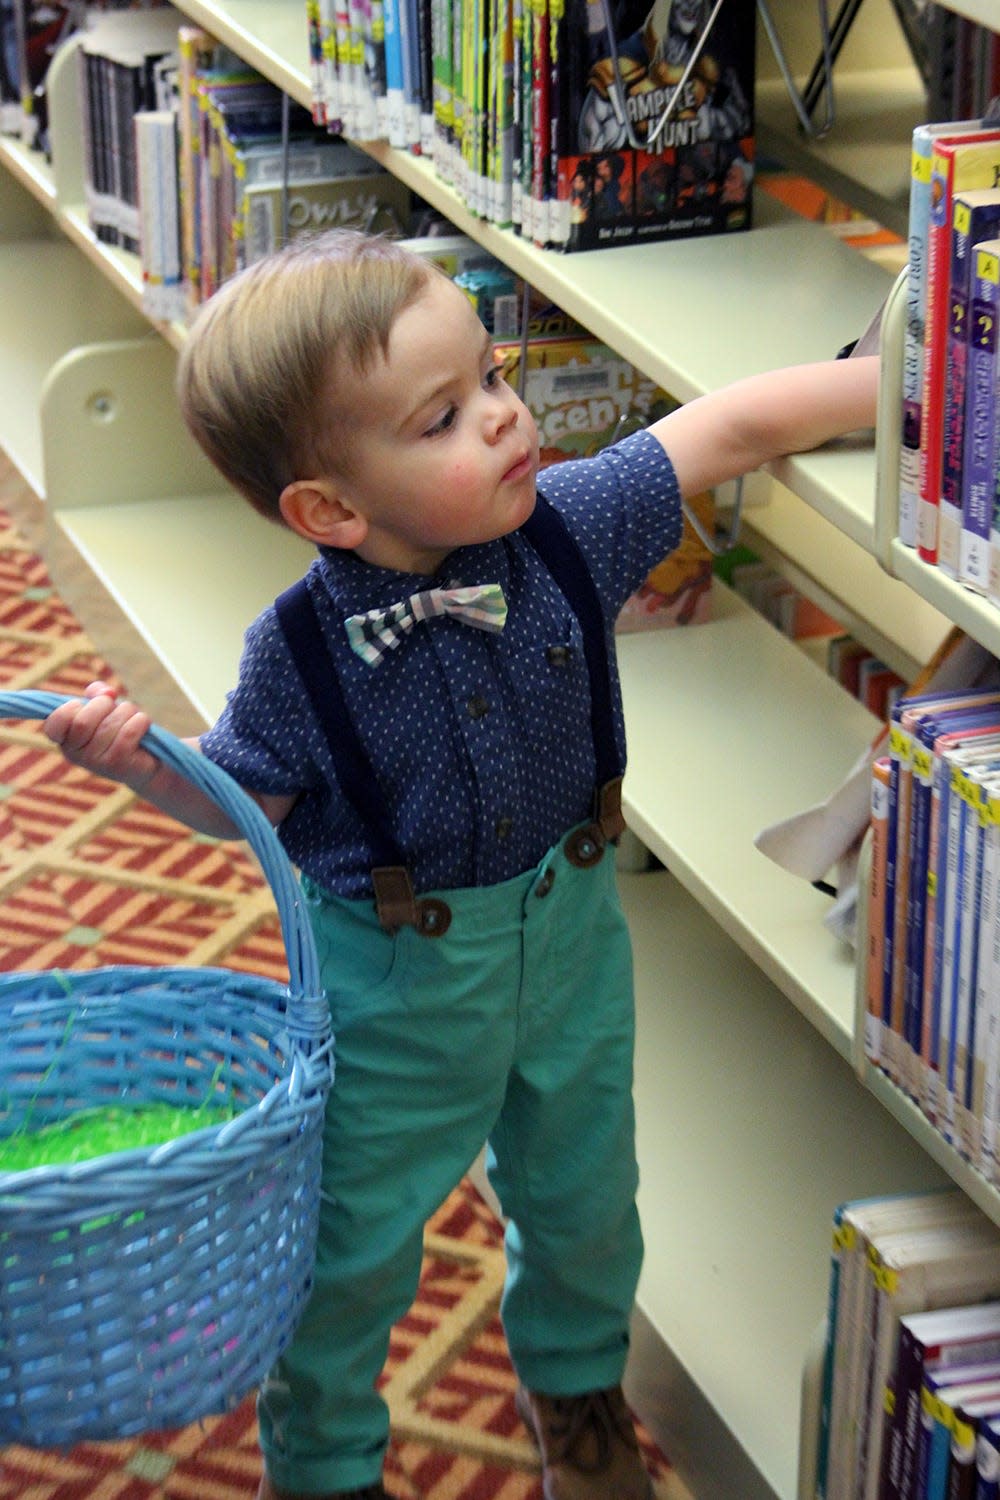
[(147, 1288)]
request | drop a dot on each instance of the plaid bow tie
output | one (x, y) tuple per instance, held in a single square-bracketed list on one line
[(380, 630)]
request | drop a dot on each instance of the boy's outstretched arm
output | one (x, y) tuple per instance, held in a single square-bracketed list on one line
[(103, 735), (737, 428)]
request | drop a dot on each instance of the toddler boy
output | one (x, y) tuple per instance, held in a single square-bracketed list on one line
[(432, 719)]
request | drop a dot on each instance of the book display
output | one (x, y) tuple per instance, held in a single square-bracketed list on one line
[(758, 1110)]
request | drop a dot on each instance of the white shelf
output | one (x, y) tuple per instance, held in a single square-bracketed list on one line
[(175, 581), (865, 159), (976, 615), (746, 731), (37, 328), (738, 1178), (844, 577)]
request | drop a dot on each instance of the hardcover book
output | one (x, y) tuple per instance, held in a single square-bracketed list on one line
[(655, 122)]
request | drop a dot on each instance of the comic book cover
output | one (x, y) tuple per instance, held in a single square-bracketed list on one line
[(656, 121), (585, 397)]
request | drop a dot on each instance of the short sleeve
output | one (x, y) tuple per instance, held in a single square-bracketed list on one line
[(624, 510)]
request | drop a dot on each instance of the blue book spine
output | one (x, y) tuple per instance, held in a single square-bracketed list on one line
[(979, 478), (394, 87)]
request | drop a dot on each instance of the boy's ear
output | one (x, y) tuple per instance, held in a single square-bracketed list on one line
[(314, 509)]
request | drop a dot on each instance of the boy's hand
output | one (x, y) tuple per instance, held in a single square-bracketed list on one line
[(103, 735)]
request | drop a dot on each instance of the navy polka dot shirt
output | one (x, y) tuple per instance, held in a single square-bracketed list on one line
[(480, 742)]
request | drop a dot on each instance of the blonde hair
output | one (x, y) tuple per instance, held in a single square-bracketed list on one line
[(258, 370)]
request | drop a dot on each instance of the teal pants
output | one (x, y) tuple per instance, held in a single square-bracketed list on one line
[(517, 1028)]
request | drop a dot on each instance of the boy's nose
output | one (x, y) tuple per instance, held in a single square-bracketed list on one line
[(500, 417)]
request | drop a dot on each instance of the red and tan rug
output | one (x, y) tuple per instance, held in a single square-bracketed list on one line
[(91, 876)]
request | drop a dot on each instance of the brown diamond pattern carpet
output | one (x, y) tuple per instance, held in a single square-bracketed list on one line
[(91, 876)]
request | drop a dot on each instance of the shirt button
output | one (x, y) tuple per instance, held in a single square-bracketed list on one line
[(557, 656), (545, 882), (504, 829), (477, 706)]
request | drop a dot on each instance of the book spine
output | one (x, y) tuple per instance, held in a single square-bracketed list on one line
[(973, 225), (964, 1025), (981, 418), (984, 1016), (937, 877), (956, 365), (913, 979), (876, 908), (901, 745), (541, 80), (443, 116), (888, 922), (901, 1413), (950, 950), (394, 89), (991, 981), (988, 1464), (913, 347), (425, 65), (935, 339)]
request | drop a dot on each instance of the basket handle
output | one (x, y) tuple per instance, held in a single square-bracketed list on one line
[(308, 1011)]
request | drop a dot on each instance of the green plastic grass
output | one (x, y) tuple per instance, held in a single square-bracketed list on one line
[(99, 1132)]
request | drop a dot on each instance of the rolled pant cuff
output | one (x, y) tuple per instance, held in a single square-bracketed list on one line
[(548, 1376), (322, 1476)]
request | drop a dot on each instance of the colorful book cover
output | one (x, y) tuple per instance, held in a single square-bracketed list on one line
[(980, 450), (975, 217), (641, 156), (916, 296), (955, 165)]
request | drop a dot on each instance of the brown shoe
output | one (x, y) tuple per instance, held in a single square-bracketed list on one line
[(588, 1445), (268, 1491)]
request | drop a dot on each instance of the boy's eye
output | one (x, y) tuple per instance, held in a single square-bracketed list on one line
[(444, 422)]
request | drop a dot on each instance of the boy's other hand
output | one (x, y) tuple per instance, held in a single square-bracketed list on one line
[(103, 735)]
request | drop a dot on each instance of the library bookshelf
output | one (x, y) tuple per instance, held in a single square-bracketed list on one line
[(754, 1118)]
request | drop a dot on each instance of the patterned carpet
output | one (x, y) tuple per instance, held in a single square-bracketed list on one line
[(90, 876)]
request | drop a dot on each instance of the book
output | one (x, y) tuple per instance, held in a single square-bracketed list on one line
[(988, 1013), (913, 345), (118, 53), (932, 729), (163, 295), (938, 877), (876, 909), (988, 1459), (857, 1226), (938, 1340), (981, 449), (375, 201), (954, 922), (946, 1399), (956, 164), (936, 1267), (961, 552), (635, 161)]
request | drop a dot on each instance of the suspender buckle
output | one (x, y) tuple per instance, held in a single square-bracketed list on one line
[(585, 846), (610, 818), (398, 907)]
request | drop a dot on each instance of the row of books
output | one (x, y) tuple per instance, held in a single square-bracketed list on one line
[(932, 996), (962, 65), (197, 163), (950, 454), (580, 123), (910, 1403)]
